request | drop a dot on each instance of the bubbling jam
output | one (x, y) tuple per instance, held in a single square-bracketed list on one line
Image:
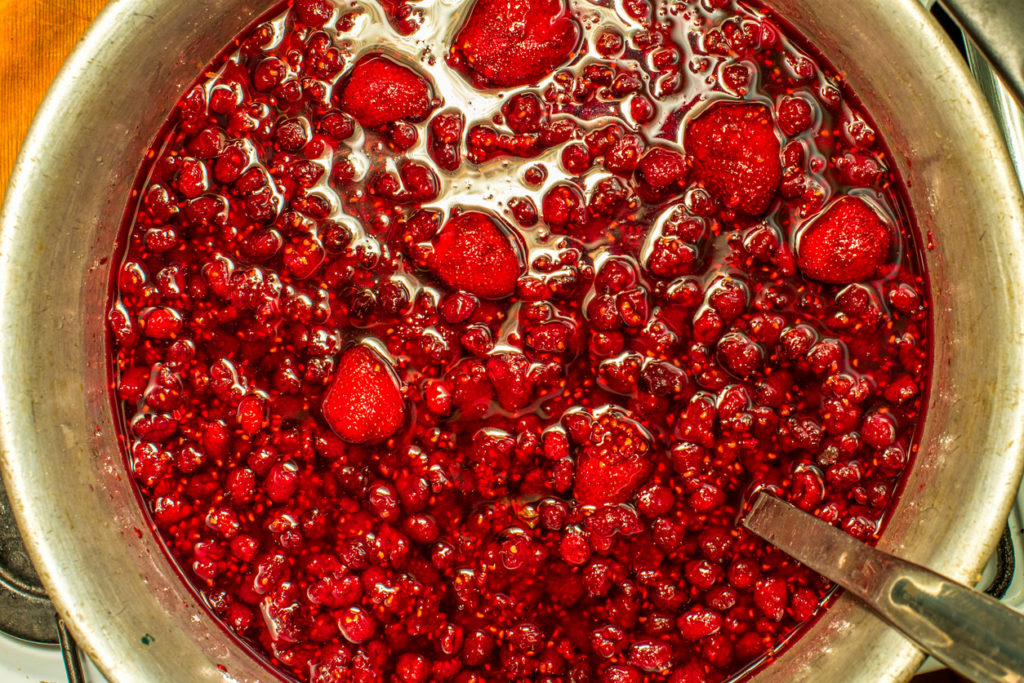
[(450, 337)]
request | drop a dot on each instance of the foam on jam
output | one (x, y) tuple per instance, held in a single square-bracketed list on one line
[(450, 337)]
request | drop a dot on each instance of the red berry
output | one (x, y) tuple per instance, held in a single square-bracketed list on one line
[(609, 42), (563, 207), (770, 596), (364, 403), (282, 482), (624, 155), (650, 655), (614, 461), (699, 622), (574, 548), (162, 323), (848, 242), (313, 13), (477, 648), (476, 253), (655, 500), (356, 625), (857, 169), (412, 668), (515, 42), (740, 355), (878, 430), (133, 383), (380, 91), (661, 167), (251, 413), (736, 154), (576, 159), (795, 115)]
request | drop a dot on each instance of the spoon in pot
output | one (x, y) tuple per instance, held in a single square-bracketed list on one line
[(970, 632)]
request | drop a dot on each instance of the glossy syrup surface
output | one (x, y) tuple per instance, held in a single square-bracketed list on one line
[(450, 337)]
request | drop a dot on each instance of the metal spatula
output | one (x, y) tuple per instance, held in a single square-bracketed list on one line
[(968, 631)]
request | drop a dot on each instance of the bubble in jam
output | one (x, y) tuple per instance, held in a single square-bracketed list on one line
[(449, 339)]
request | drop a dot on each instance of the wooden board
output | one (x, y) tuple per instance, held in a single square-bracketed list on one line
[(36, 37)]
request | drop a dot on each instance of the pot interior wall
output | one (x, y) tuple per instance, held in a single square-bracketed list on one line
[(967, 205), (88, 536)]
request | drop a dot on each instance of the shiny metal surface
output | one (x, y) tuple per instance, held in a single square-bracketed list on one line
[(83, 526), (1009, 114), (950, 152), (69, 651), (25, 611), (967, 630), (996, 27)]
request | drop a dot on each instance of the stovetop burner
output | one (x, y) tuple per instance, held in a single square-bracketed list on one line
[(25, 611)]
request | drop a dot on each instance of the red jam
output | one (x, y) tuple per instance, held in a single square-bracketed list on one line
[(451, 351)]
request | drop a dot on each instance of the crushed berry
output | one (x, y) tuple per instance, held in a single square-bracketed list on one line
[(418, 389)]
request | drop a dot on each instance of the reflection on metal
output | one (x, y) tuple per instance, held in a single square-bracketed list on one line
[(25, 611), (971, 632), (1008, 114), (995, 28), (69, 651)]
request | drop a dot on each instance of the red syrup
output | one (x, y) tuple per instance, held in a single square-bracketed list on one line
[(448, 342)]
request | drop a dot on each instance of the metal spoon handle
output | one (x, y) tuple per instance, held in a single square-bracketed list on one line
[(69, 650), (996, 27), (968, 631)]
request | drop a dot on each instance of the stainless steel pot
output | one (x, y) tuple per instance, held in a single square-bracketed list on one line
[(83, 523)]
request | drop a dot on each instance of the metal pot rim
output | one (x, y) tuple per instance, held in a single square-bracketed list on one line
[(111, 581)]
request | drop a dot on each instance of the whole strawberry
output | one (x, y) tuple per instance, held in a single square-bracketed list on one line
[(364, 403), (380, 91), (507, 43), (847, 242), (473, 253), (735, 152)]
